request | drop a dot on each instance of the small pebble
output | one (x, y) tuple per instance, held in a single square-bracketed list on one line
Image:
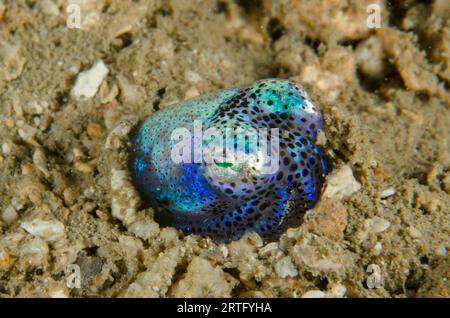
[(11, 61), (9, 215), (415, 233), (103, 215), (84, 167), (27, 133), (40, 161), (377, 224), (284, 267), (77, 153), (51, 230), (69, 196), (313, 294), (441, 250), (329, 219), (60, 293), (387, 193), (129, 92), (89, 265), (27, 168), (48, 7), (33, 253), (377, 249), (10, 123), (341, 183), (192, 76), (6, 148), (108, 94), (18, 204), (255, 239), (88, 82), (124, 198), (337, 291), (273, 246), (94, 130), (7, 260), (191, 93)]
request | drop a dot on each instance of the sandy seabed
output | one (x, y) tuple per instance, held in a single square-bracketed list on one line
[(381, 228)]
